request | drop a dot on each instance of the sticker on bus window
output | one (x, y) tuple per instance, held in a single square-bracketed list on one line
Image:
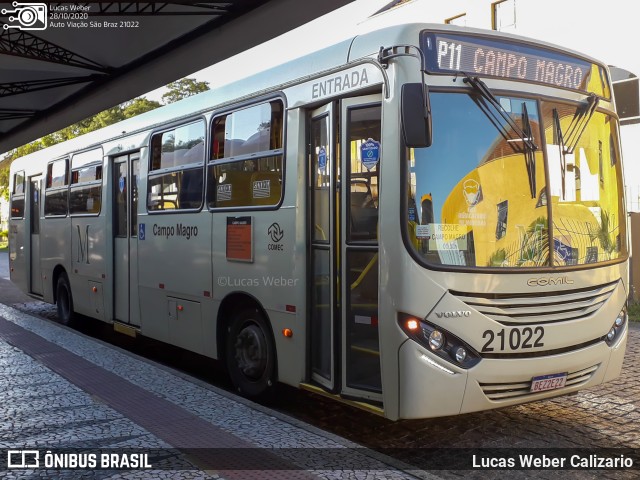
[(262, 189), (370, 153), (441, 231), (223, 193), (459, 245), (322, 160), (444, 236)]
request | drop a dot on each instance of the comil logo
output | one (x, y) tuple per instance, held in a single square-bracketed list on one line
[(27, 16), (549, 281)]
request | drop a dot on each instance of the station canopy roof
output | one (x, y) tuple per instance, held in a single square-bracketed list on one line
[(72, 69)]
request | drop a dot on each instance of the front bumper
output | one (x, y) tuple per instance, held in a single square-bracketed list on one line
[(431, 387)]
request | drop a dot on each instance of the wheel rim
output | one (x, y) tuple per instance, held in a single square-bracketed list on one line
[(251, 351)]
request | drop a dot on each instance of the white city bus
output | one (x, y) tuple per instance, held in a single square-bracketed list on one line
[(423, 219)]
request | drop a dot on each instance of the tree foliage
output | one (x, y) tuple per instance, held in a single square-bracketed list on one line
[(4, 182), (184, 88)]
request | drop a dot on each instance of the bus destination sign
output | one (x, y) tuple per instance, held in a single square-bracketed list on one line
[(446, 53)]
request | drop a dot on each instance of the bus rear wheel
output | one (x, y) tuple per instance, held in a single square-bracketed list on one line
[(64, 300), (250, 354)]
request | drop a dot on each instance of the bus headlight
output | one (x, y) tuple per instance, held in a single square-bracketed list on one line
[(436, 340), (461, 354), (442, 343), (617, 328)]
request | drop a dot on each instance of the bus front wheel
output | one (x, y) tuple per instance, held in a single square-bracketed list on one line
[(64, 300), (250, 354)]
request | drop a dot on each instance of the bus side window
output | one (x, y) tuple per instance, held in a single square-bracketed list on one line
[(86, 190), (233, 179), (56, 199), (191, 188), (176, 168), (364, 132), (17, 196)]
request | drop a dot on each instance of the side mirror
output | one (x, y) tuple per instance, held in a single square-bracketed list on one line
[(416, 115)]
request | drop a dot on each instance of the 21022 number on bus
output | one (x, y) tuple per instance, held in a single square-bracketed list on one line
[(513, 339)]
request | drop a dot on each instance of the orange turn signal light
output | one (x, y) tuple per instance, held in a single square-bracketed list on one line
[(287, 332), (412, 324)]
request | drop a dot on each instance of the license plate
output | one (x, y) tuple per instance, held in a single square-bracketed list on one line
[(548, 382)]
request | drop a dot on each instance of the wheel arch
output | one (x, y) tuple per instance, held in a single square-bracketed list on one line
[(57, 271), (233, 304)]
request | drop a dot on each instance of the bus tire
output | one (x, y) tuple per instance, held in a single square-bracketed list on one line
[(64, 300), (250, 354)]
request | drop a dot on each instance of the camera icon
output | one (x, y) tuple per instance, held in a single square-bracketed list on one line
[(29, 16)]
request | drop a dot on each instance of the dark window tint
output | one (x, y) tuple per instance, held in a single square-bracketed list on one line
[(86, 190), (180, 189), (57, 195), (17, 207), (55, 202)]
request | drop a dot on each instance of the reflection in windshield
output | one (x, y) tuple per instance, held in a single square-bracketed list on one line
[(470, 197), (586, 193)]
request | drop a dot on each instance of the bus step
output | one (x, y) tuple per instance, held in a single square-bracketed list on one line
[(361, 404), (369, 350), (125, 329)]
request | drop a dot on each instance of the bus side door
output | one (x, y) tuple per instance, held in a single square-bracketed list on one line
[(125, 238), (344, 164), (35, 185)]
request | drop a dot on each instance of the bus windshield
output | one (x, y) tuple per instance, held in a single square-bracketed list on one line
[(478, 197)]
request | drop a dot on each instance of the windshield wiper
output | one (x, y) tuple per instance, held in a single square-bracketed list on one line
[(480, 87), (529, 151), (557, 130), (580, 121), (495, 112), (576, 128)]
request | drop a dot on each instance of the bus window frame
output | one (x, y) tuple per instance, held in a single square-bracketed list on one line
[(64, 188), (251, 156), (80, 185), (15, 176), (17, 196), (180, 168)]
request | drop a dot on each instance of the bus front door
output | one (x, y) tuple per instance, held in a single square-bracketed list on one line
[(125, 238), (34, 230), (344, 162)]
